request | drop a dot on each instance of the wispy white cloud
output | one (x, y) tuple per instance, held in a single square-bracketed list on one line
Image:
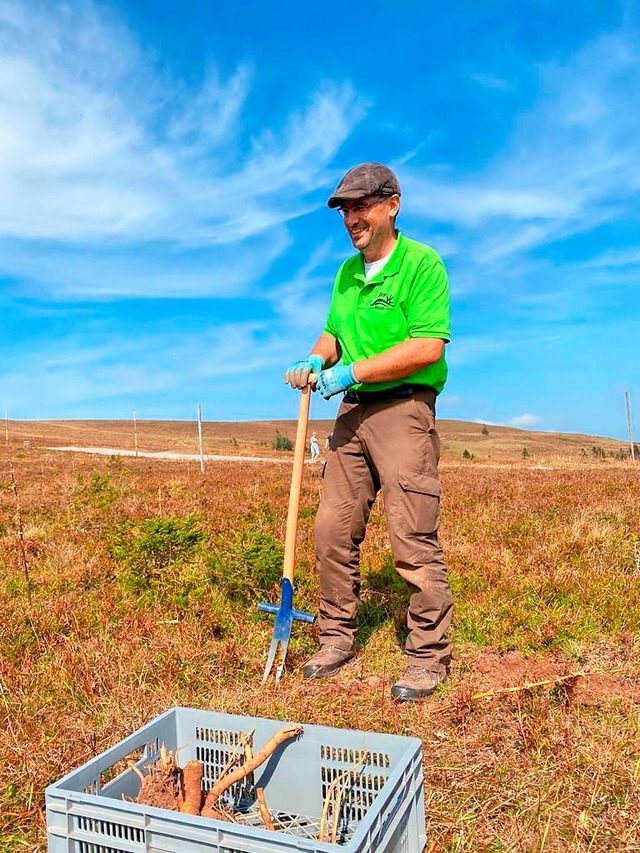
[(525, 420), (156, 269), (208, 117), (491, 81), (120, 365), (519, 422), (614, 259), (570, 164), (301, 303), (470, 349), (469, 205), (99, 146), (449, 401)]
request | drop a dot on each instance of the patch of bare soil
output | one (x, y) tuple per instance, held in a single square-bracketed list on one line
[(494, 672), (599, 688)]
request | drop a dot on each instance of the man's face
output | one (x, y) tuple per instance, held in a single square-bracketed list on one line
[(370, 222)]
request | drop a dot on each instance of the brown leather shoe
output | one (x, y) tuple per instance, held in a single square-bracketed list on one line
[(326, 661), (417, 683)]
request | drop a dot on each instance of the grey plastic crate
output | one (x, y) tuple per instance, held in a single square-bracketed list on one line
[(382, 811)]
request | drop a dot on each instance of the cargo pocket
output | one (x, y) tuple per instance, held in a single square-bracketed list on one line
[(421, 499)]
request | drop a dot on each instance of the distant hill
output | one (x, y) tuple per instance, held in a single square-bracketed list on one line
[(501, 442), (481, 443)]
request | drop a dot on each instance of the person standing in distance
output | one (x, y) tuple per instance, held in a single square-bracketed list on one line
[(383, 348), (314, 447)]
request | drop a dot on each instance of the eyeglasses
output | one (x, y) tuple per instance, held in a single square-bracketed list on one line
[(361, 206)]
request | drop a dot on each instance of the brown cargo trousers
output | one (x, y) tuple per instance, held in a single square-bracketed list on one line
[(390, 445)]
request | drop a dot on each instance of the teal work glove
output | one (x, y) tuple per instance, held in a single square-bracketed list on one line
[(298, 374), (335, 379)]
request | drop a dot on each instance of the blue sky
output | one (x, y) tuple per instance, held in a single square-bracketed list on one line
[(164, 170)]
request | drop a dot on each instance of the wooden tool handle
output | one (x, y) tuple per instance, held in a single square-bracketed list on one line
[(296, 484)]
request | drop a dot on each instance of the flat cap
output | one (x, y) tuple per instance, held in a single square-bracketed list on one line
[(365, 179)]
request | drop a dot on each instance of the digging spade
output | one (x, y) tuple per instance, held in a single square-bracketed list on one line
[(285, 612)]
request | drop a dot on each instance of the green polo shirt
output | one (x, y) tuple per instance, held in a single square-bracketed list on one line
[(409, 298)]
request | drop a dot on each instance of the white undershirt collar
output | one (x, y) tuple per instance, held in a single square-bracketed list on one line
[(375, 266)]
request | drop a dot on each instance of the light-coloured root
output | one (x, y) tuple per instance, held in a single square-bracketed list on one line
[(247, 742), (333, 801), (234, 758), (136, 770), (529, 685), (190, 800), (265, 814), (248, 767), (167, 759)]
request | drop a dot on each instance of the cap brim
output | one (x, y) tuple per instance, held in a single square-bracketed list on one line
[(348, 195)]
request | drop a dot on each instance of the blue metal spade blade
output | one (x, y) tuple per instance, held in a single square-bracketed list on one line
[(285, 613)]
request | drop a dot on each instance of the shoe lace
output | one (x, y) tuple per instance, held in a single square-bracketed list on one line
[(416, 671)]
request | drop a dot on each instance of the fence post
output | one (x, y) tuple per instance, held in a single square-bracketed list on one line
[(135, 430), (200, 446), (630, 426)]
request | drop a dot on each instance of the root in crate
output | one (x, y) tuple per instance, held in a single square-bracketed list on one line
[(333, 801), (248, 767), (265, 814), (167, 786), (190, 801), (161, 787)]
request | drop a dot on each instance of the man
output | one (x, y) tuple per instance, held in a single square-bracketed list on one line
[(383, 347)]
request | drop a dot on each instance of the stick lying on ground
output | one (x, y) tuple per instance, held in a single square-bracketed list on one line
[(529, 685)]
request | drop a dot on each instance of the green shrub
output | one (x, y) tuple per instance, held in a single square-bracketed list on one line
[(621, 454), (170, 561), (281, 442), (99, 492), (245, 564), (149, 547)]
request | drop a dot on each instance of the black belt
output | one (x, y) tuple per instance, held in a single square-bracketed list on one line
[(398, 392)]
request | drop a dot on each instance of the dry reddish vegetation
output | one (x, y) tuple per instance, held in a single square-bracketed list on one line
[(493, 444), (129, 586)]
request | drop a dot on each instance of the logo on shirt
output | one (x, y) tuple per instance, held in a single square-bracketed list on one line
[(385, 300)]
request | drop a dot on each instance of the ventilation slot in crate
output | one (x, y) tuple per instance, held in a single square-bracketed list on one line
[(110, 829), (90, 847), (354, 756)]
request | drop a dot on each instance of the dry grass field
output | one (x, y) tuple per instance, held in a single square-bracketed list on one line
[(130, 585), (495, 444)]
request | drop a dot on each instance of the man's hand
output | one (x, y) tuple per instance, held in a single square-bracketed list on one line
[(298, 374), (335, 379)]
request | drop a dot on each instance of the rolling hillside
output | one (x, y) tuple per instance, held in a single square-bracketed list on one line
[(492, 444)]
